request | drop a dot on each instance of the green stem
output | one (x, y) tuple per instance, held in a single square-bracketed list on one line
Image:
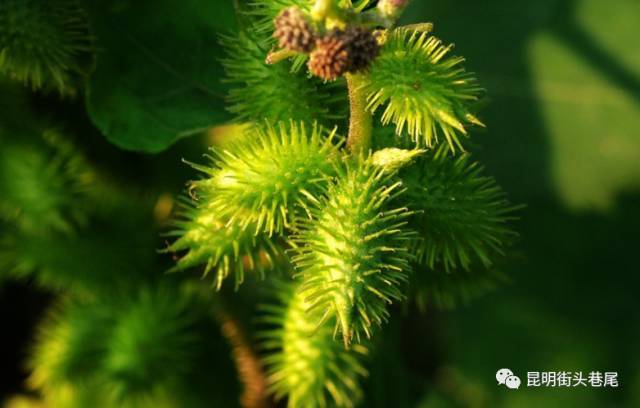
[(322, 9), (360, 120)]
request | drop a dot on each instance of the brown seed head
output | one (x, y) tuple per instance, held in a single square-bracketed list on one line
[(293, 31), (330, 59), (363, 48), (342, 51)]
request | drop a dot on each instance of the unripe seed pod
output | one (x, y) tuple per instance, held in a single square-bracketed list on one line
[(45, 44)]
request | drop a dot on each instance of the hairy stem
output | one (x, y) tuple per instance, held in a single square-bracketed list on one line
[(360, 120), (247, 362)]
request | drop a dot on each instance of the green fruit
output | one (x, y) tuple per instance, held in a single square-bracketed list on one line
[(305, 363), (352, 255), (263, 179), (462, 216), (224, 248), (45, 44), (422, 89), (43, 181)]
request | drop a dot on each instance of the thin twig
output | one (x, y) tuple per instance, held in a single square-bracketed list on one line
[(246, 360)]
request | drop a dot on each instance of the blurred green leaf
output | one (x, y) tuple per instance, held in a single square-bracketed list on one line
[(158, 73), (593, 125)]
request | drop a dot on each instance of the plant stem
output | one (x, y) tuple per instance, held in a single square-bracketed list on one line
[(246, 360), (360, 120)]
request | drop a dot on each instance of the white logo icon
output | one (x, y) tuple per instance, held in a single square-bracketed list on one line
[(513, 382), (506, 377), (503, 374)]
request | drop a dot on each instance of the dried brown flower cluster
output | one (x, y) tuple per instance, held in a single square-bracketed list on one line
[(342, 51), (293, 31), (332, 55)]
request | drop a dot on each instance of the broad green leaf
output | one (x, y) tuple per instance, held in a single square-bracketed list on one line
[(158, 75), (593, 125)]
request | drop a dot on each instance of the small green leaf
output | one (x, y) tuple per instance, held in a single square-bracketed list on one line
[(392, 159), (158, 72)]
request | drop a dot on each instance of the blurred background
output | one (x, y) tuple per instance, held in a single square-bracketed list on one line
[(563, 137), (563, 118)]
